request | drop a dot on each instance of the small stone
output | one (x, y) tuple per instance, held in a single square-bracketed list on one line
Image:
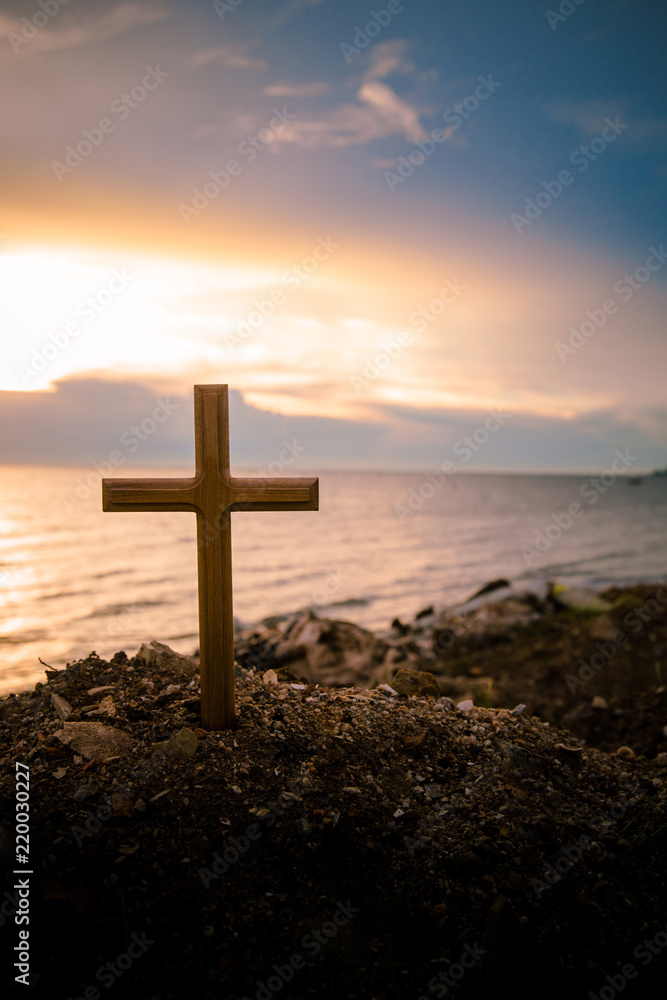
[(158, 655), (140, 805), (417, 682), (106, 707), (60, 773), (270, 677), (183, 744), (625, 752), (122, 804), (399, 812), (414, 740), (599, 702), (465, 706), (94, 740), (100, 690), (61, 705), (85, 791), (352, 790)]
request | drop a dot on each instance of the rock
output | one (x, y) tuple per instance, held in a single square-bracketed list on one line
[(419, 682), (324, 651), (61, 705), (414, 740), (107, 707), (183, 744), (122, 804), (100, 690), (94, 740), (85, 791), (578, 599), (488, 588), (599, 702), (465, 706), (625, 752), (425, 612), (157, 654), (270, 677)]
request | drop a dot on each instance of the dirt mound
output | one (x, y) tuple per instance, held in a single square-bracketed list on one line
[(339, 842)]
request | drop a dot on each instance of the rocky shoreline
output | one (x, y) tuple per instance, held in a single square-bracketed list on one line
[(432, 828)]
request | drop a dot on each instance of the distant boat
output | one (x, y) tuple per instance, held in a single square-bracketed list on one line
[(659, 472), (635, 481)]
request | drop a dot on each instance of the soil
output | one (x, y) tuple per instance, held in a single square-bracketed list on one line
[(347, 842)]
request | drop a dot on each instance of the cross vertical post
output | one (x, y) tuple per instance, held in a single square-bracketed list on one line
[(212, 493)]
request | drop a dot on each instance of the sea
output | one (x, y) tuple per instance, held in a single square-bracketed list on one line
[(383, 545)]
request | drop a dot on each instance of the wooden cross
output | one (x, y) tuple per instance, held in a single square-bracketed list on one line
[(212, 493)]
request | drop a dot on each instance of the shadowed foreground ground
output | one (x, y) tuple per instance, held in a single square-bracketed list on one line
[(340, 842)]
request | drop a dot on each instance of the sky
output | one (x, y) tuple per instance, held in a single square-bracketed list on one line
[(379, 225)]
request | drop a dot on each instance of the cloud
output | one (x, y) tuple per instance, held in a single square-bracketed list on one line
[(234, 56), (298, 89), (588, 117), (380, 112), (387, 58), (289, 12), (65, 33), (398, 114), (84, 420)]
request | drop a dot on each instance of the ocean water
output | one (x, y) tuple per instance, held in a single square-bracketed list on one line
[(75, 579)]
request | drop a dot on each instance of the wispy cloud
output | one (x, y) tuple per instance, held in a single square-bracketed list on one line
[(88, 29), (235, 56), (588, 117), (379, 111), (298, 89), (387, 58)]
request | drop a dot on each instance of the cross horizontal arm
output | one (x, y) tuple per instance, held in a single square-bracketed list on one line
[(274, 494), (149, 494)]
